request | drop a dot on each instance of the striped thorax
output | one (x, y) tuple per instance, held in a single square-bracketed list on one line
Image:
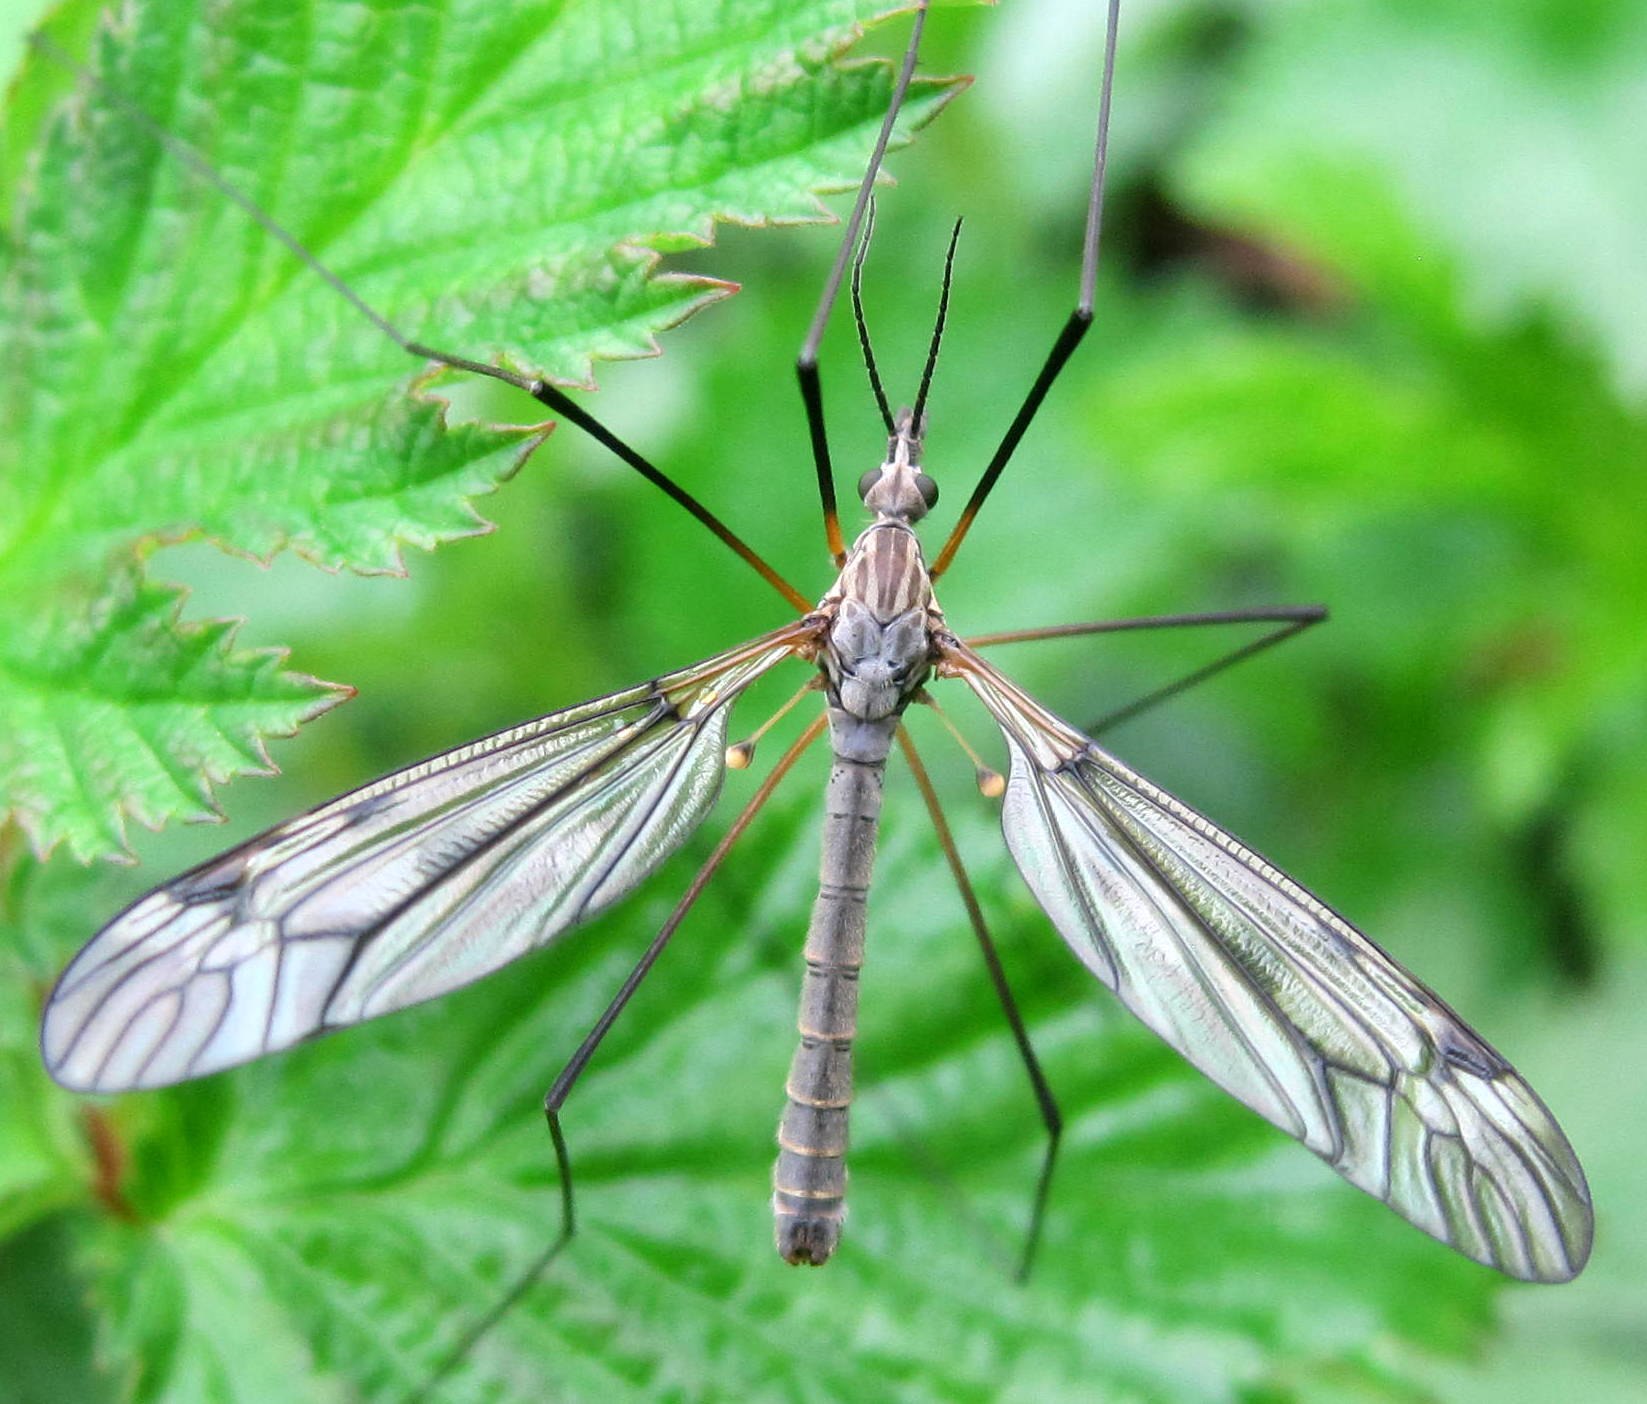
[(882, 613)]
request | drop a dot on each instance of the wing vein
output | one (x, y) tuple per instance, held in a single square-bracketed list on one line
[(1216, 948), (644, 726), (1275, 996), (405, 888)]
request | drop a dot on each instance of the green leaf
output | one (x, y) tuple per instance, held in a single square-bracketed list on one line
[(116, 708), (497, 178)]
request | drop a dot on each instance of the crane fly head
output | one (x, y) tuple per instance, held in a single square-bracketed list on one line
[(898, 488)]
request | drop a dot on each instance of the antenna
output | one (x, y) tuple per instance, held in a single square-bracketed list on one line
[(918, 418)]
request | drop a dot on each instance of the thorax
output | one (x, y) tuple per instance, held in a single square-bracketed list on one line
[(882, 614)]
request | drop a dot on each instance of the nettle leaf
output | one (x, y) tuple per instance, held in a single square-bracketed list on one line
[(499, 179), (116, 708)]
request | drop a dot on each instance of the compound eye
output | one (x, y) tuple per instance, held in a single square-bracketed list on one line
[(868, 481), (928, 490)]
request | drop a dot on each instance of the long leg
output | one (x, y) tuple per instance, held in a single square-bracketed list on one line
[(1073, 330), (806, 364), (1308, 614), (544, 393), (556, 1097), (1051, 1117), (1293, 619)]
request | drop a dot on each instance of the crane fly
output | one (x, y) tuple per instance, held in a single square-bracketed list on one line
[(439, 874)]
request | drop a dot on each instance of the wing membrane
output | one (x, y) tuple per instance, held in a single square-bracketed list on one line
[(403, 890), (1283, 1003)]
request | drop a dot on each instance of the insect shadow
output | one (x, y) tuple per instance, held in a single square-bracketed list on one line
[(435, 876)]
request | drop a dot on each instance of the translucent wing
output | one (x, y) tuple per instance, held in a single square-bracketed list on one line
[(1283, 1003), (402, 890)]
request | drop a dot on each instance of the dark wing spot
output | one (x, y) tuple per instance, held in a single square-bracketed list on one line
[(211, 881), (1473, 1056), (371, 805)]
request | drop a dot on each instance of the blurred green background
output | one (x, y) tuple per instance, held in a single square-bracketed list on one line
[(1372, 332)]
